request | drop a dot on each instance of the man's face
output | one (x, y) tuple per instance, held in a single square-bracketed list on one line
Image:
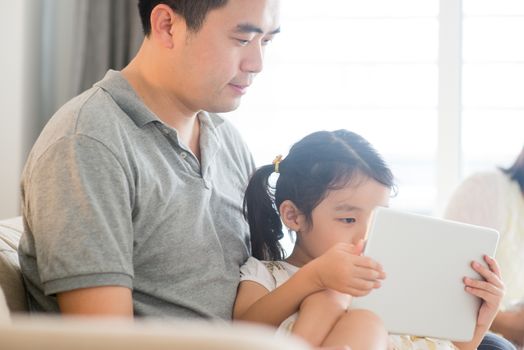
[(216, 64)]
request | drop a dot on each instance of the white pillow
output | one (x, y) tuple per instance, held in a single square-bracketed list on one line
[(4, 310), (10, 275)]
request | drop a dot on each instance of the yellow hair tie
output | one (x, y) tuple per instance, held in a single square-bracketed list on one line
[(276, 162)]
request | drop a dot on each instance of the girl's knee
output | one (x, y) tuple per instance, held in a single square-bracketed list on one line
[(329, 300), (361, 329), (366, 315), (363, 318)]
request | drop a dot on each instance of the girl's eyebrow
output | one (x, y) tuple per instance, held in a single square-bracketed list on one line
[(347, 207)]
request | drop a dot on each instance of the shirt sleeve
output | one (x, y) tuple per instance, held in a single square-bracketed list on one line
[(79, 211), (254, 270), (476, 201)]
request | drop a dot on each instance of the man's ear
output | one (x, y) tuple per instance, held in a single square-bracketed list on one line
[(164, 24), (291, 216)]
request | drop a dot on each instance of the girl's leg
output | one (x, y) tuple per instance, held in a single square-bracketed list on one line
[(317, 315), (360, 329)]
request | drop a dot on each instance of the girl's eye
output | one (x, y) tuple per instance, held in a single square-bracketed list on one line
[(348, 220)]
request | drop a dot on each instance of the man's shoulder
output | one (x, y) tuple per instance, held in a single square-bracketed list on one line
[(91, 115)]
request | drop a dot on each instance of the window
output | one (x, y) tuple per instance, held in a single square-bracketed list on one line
[(377, 67), (367, 66), (493, 83)]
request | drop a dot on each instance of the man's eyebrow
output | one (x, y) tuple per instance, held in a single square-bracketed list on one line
[(250, 28)]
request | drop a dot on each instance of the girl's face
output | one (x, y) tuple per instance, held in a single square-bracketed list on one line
[(342, 216)]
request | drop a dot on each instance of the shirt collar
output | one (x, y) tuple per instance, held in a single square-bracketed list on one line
[(116, 85), (125, 97)]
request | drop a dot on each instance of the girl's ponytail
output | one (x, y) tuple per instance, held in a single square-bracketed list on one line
[(264, 222)]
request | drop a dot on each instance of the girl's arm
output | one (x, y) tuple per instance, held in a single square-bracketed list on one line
[(338, 269), (255, 303), (491, 292)]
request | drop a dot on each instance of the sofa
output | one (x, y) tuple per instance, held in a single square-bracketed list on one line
[(20, 330)]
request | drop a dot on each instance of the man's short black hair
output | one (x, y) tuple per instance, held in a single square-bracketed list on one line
[(193, 11)]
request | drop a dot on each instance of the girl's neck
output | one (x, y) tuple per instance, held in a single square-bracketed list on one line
[(298, 257)]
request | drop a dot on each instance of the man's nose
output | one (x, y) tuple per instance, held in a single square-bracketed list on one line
[(254, 61)]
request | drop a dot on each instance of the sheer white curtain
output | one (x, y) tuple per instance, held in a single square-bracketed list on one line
[(79, 41), (53, 49), (108, 35), (493, 89), (376, 67), (368, 66)]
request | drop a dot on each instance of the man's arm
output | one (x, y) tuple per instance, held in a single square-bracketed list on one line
[(97, 301), (510, 324)]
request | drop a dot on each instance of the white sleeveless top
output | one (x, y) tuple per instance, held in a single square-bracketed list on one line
[(491, 199)]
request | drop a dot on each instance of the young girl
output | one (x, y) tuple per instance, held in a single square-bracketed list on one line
[(326, 189)]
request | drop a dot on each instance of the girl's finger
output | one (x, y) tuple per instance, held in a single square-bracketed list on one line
[(483, 285), (488, 275), (361, 284), (366, 262), (484, 295), (493, 265), (369, 274), (356, 292)]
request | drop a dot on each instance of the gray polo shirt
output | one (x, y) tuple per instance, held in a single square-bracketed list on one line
[(111, 197)]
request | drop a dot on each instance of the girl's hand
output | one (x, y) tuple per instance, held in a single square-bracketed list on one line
[(490, 291), (343, 269)]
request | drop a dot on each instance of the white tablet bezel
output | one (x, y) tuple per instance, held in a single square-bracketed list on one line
[(425, 260)]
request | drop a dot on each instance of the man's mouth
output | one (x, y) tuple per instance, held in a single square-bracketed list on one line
[(239, 88)]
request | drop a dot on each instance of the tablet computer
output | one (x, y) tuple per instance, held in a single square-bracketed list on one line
[(425, 260)]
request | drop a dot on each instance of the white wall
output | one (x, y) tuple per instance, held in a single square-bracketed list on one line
[(20, 23), (13, 22), (36, 63)]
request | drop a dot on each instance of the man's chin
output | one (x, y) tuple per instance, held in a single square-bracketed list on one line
[(224, 107)]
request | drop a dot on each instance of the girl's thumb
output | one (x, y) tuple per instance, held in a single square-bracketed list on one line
[(358, 248)]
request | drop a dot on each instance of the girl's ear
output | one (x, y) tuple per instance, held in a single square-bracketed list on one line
[(291, 216)]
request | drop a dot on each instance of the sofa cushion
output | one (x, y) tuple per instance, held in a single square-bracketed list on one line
[(10, 275), (4, 310), (66, 333)]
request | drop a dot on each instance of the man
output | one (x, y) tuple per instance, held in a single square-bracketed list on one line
[(132, 194)]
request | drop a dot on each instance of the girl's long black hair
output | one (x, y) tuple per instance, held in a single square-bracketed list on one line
[(516, 171), (320, 162)]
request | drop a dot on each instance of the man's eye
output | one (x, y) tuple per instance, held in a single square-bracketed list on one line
[(348, 220), (266, 41), (243, 42)]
